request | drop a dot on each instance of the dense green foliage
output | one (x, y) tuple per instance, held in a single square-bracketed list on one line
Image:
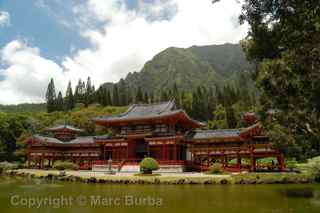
[(65, 165), (283, 42), (185, 75), (28, 107), (8, 166), (206, 66), (52, 103), (16, 127), (182, 78), (215, 168), (314, 167), (147, 165)]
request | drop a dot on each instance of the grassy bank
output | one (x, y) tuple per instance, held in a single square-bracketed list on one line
[(199, 178)]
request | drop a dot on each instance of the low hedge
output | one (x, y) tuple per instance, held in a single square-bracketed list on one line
[(8, 166), (65, 165), (215, 168)]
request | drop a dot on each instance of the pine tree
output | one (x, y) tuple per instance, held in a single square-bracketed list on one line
[(69, 99), (151, 98), (115, 96), (51, 97), (164, 96), (198, 106), (88, 92), (212, 103), (100, 96), (59, 102), (123, 100), (139, 96), (231, 117), (93, 96), (108, 97), (129, 96), (146, 98), (79, 92), (175, 94)]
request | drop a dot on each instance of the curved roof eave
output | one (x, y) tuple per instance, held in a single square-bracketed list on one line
[(195, 124)]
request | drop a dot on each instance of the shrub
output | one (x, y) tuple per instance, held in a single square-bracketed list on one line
[(147, 165), (216, 168), (315, 170), (65, 165), (8, 166), (292, 165)]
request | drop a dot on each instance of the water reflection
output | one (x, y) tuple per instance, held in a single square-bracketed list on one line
[(300, 192), (274, 198)]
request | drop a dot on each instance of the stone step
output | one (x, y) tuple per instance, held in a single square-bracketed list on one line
[(136, 168)]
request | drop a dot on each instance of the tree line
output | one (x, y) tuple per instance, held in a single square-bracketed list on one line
[(201, 103)]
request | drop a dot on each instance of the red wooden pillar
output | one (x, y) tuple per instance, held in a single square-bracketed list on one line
[(239, 162), (163, 151), (281, 163), (254, 164), (253, 161), (112, 151), (29, 159), (53, 158), (127, 150), (175, 151), (222, 159), (208, 156), (41, 162), (226, 160), (192, 160)]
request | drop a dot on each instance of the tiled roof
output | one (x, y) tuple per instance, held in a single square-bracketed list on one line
[(241, 133), (79, 140), (209, 134), (60, 127), (47, 139), (144, 111)]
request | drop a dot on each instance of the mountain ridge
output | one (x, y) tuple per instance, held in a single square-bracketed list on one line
[(189, 68)]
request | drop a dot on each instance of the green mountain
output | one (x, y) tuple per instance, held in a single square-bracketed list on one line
[(189, 68), (226, 59)]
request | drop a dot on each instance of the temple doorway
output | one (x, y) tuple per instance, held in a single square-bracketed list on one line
[(141, 149)]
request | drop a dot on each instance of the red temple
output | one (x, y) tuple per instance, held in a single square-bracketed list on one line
[(160, 131)]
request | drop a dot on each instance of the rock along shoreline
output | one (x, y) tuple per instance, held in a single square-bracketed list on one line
[(195, 178)]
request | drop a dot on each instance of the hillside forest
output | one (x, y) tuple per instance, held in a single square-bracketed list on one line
[(273, 71)]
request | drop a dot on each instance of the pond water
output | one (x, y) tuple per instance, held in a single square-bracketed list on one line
[(21, 195)]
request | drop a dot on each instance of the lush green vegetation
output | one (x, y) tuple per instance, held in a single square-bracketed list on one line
[(283, 44), (16, 127), (215, 168), (65, 165), (41, 107), (9, 166), (147, 165), (201, 82), (213, 83)]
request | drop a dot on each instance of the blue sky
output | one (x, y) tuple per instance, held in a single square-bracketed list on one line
[(36, 25), (105, 40)]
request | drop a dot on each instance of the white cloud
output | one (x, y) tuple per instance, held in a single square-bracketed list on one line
[(4, 18), (124, 41), (27, 74), (129, 39)]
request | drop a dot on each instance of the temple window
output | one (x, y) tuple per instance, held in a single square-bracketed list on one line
[(161, 128)]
